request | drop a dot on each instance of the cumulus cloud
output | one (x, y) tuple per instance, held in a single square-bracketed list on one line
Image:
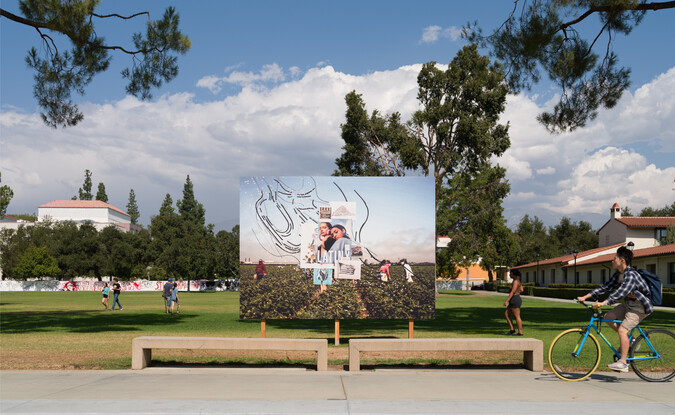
[(269, 73), (432, 34), (287, 122)]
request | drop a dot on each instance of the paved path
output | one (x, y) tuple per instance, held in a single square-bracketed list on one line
[(297, 391)]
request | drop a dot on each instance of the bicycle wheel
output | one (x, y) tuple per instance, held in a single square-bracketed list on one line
[(649, 367), (562, 359)]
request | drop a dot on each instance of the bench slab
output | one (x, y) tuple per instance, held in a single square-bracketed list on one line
[(533, 349), (141, 347)]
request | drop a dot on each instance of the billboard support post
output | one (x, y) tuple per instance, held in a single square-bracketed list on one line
[(337, 332), (411, 328), (262, 328)]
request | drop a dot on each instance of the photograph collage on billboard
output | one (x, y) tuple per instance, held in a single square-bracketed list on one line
[(337, 247)]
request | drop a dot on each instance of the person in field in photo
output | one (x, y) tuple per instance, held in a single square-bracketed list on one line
[(260, 270), (408, 270), (174, 298), (384, 270)]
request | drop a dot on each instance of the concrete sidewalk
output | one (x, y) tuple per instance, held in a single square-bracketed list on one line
[(298, 391)]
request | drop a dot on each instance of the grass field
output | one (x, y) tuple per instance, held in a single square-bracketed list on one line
[(70, 330)]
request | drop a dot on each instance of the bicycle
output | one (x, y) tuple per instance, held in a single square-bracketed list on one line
[(573, 357)]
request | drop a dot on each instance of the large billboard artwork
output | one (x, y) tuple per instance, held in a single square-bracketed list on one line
[(337, 247)]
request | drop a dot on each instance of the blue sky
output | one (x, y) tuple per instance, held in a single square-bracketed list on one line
[(261, 92)]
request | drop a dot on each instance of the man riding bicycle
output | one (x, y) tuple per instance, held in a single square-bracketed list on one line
[(632, 311)]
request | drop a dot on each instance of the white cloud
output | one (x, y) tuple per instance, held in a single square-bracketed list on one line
[(431, 34), (287, 122), (269, 73)]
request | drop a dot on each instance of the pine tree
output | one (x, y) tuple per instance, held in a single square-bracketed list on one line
[(101, 195), (85, 191), (167, 206), (132, 208), (189, 208)]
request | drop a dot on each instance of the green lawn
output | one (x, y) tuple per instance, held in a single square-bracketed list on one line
[(43, 330)]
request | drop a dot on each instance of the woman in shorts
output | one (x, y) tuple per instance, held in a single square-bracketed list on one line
[(513, 303), (105, 291)]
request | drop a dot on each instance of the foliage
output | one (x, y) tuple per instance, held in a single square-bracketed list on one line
[(100, 194), (188, 207), (167, 206), (534, 241), (547, 38), (670, 236), (60, 73), (569, 235), (25, 216), (6, 195), (452, 138), (84, 192), (227, 253), (667, 210), (132, 207), (35, 263), (371, 143), (287, 292)]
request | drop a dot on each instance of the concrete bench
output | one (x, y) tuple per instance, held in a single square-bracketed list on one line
[(141, 347), (533, 349)]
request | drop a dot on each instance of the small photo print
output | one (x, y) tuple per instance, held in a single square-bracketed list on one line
[(348, 270), (323, 276), (343, 210), (324, 212)]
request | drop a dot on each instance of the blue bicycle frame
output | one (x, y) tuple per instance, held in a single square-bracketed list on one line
[(592, 325)]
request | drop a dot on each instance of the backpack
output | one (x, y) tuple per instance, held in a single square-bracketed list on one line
[(654, 284)]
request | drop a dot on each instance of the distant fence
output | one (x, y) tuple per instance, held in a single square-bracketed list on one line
[(96, 285), (455, 284)]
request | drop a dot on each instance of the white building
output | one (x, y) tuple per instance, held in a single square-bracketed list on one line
[(99, 213), (594, 266)]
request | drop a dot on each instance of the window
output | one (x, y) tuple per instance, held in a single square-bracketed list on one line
[(589, 276), (651, 268), (660, 233), (671, 273), (603, 275), (527, 277), (553, 276), (565, 276)]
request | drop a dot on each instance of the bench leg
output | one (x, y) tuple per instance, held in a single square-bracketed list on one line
[(140, 358), (533, 360), (322, 358), (354, 359)]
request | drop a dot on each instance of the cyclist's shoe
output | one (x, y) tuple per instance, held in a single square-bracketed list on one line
[(618, 366)]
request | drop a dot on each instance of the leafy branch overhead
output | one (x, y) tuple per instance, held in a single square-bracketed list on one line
[(544, 36), (59, 73)]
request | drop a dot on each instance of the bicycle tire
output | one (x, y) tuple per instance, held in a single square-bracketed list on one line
[(654, 370), (561, 357)]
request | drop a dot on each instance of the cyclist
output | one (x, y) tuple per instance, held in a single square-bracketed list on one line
[(630, 285)]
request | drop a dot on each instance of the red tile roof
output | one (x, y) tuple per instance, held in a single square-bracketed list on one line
[(646, 221), (81, 204), (638, 253), (567, 258)]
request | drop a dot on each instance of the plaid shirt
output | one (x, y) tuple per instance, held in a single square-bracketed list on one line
[(633, 283)]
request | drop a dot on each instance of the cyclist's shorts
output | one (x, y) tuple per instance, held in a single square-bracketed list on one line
[(629, 313)]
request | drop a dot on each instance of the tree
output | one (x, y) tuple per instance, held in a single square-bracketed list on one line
[(568, 235), (670, 236), (100, 194), (227, 253), (452, 138), (60, 73), (370, 143), (132, 207), (84, 192), (625, 211), (534, 241), (188, 207), (6, 195), (36, 263), (667, 210), (167, 206), (547, 37)]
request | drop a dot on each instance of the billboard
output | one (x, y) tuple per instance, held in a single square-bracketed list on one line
[(337, 247)]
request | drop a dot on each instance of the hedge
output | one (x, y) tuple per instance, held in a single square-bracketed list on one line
[(571, 293)]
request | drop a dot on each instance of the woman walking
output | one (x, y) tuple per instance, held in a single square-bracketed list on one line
[(106, 292), (513, 303)]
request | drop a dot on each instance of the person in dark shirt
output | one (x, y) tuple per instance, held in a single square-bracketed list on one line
[(117, 289), (166, 294)]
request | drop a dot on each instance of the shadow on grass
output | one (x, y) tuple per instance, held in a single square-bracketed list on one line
[(85, 321)]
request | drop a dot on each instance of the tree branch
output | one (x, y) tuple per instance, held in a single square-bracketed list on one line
[(606, 9)]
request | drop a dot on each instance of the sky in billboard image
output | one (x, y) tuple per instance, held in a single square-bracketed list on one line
[(337, 247)]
